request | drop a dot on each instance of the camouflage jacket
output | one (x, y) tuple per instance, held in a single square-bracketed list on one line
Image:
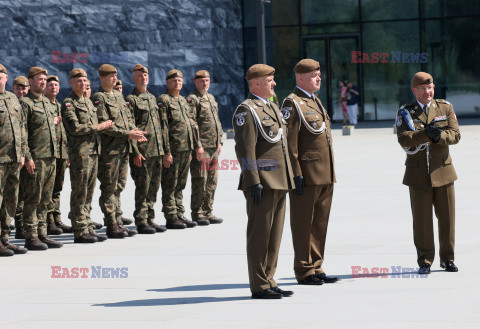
[(12, 133), (115, 140), (40, 130), (147, 118), (182, 129), (204, 110), (60, 132), (79, 118)]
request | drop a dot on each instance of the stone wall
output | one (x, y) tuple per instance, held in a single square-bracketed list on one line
[(188, 35)]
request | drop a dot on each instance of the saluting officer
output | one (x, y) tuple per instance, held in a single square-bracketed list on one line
[(311, 155), (260, 145), (425, 129)]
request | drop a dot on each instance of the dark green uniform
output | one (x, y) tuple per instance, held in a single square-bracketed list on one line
[(183, 138), (42, 148), (148, 177), (113, 160), (80, 120), (12, 148), (204, 110), (53, 215)]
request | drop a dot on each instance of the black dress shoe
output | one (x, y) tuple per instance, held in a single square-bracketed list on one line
[(285, 293), (424, 269), (85, 238), (202, 221), (215, 220), (449, 266), (189, 223), (267, 294), (327, 279), (311, 280)]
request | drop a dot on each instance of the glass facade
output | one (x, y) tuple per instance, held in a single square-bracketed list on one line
[(376, 44)]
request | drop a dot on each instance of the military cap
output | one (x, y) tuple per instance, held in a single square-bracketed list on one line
[(201, 74), (140, 67), (306, 65), (36, 70), (259, 70), (77, 73), (3, 69), (421, 78), (118, 83), (21, 81), (174, 74), (53, 78), (106, 69)]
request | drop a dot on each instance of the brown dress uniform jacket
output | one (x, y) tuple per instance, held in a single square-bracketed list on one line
[(438, 169), (311, 154), (261, 161)]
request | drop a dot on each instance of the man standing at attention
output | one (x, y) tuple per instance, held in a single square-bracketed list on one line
[(425, 129), (204, 110), (261, 149), (146, 165), (311, 155)]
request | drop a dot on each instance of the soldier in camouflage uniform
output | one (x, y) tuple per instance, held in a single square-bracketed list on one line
[(20, 88), (117, 142), (12, 150), (54, 220), (204, 110), (146, 166), (40, 157), (183, 138), (80, 120)]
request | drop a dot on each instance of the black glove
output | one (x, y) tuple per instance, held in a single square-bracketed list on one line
[(433, 133), (256, 192), (299, 184)]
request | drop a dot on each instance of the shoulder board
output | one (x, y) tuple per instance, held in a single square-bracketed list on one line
[(442, 101)]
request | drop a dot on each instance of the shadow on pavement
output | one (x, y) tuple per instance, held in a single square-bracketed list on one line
[(172, 301), (210, 287), (408, 275)]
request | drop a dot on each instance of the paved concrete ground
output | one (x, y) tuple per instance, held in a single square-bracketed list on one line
[(197, 278)]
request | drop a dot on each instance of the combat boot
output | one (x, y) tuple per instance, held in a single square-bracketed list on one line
[(126, 221), (130, 232), (114, 232), (144, 228), (187, 222), (20, 233), (85, 238), (157, 227), (96, 225), (4, 251), (215, 220), (35, 244), (201, 221), (175, 224), (52, 229), (65, 228), (50, 242), (16, 249), (100, 237)]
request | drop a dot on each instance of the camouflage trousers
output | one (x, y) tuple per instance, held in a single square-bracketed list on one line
[(147, 182), (83, 177), (19, 211), (37, 195), (204, 183), (9, 184), (112, 174), (53, 213), (174, 180)]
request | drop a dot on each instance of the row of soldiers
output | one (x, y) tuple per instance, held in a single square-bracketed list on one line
[(99, 137)]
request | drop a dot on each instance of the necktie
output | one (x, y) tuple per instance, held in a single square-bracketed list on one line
[(426, 109)]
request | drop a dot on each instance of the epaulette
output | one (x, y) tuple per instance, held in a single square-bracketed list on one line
[(442, 101)]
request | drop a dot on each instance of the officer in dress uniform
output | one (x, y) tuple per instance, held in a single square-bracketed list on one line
[(311, 155), (425, 129), (261, 149)]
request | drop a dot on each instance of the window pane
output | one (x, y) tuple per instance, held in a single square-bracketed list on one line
[(329, 11), (386, 85), (375, 10), (277, 13), (449, 8), (330, 28)]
